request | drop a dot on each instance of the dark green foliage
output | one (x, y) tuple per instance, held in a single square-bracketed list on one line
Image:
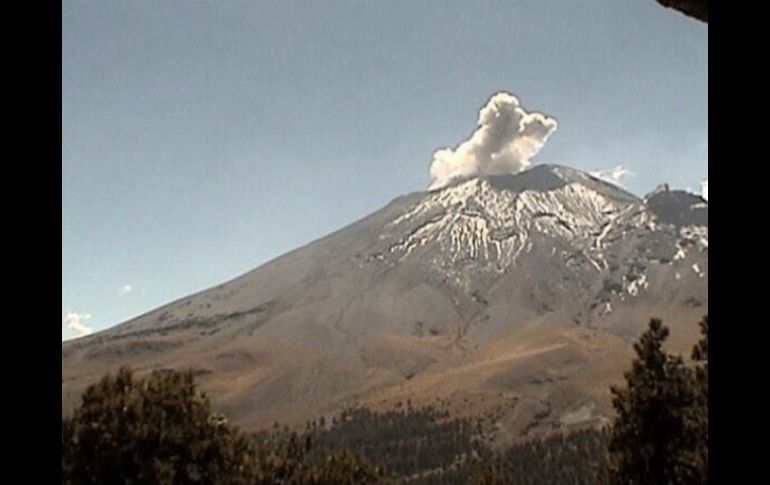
[(341, 468), (288, 458), (658, 436), (407, 441), (161, 431), (698, 422), (575, 459), (280, 455), (426, 447), (158, 430), (493, 470)]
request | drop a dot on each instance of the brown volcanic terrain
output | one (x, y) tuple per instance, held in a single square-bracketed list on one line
[(516, 298)]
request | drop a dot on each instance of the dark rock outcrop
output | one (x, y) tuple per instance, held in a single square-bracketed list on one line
[(698, 9)]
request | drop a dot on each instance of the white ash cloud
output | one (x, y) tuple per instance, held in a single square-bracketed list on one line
[(615, 175), (76, 322), (704, 190), (506, 140)]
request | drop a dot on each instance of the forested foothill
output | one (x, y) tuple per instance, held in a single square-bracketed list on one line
[(161, 430)]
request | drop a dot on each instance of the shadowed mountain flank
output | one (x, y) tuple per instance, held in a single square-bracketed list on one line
[(678, 207)]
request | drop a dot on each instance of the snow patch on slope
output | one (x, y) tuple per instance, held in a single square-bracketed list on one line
[(476, 222)]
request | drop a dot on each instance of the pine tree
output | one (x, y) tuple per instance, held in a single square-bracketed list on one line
[(154, 431), (493, 470), (699, 416), (341, 468), (280, 458), (649, 440)]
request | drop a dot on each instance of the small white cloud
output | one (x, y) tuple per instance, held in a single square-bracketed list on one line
[(125, 290), (704, 190), (76, 322), (614, 175)]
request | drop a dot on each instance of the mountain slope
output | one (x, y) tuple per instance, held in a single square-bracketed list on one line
[(516, 296)]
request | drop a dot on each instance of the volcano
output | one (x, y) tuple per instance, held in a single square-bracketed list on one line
[(512, 297)]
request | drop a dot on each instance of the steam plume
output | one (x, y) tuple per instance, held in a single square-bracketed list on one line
[(505, 141)]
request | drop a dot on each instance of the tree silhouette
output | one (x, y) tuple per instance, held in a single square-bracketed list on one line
[(158, 430), (698, 9), (699, 416), (655, 435)]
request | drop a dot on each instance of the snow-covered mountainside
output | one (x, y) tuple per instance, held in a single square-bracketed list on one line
[(480, 228), (529, 285), (485, 224)]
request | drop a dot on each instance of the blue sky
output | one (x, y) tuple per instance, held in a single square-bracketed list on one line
[(201, 139)]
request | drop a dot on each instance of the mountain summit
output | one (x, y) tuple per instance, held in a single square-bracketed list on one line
[(513, 296)]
